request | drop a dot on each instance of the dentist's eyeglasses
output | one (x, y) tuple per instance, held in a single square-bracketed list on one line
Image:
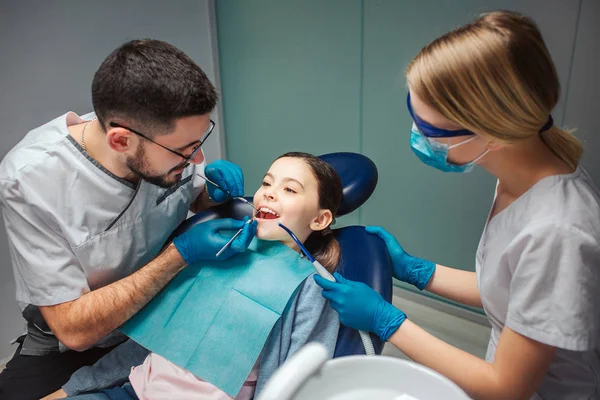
[(187, 159)]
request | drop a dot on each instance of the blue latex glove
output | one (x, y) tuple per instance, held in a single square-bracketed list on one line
[(204, 240), (360, 307), (228, 176), (407, 268)]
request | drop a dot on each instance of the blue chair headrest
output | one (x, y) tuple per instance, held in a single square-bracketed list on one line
[(359, 178)]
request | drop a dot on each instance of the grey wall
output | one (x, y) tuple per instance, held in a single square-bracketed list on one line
[(583, 91), (49, 51)]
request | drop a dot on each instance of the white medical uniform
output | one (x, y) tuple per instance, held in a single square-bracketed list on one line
[(73, 226), (538, 271)]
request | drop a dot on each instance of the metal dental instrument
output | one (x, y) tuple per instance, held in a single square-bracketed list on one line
[(364, 336), (245, 201), (227, 191), (233, 238), (233, 197)]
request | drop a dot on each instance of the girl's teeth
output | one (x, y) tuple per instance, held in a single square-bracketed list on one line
[(267, 210)]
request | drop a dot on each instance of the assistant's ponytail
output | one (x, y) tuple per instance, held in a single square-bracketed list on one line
[(562, 143)]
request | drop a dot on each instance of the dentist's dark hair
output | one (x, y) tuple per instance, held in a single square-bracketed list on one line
[(149, 84), (323, 245)]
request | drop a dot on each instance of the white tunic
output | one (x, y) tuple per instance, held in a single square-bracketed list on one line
[(538, 271)]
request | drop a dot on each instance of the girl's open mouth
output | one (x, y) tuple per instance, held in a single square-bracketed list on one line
[(267, 213)]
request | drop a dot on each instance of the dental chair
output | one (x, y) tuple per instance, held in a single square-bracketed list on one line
[(364, 257)]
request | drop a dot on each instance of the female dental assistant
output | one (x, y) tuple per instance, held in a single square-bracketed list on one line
[(482, 94)]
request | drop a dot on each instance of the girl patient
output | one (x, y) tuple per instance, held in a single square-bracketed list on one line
[(302, 192)]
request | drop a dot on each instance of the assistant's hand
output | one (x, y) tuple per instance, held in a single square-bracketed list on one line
[(228, 176), (407, 268), (360, 307), (203, 241)]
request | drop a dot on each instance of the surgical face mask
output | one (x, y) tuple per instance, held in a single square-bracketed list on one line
[(435, 154)]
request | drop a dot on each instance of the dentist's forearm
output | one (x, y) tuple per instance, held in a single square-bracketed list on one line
[(81, 323), (455, 284)]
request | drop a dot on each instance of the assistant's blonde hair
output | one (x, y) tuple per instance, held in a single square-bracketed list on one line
[(494, 77)]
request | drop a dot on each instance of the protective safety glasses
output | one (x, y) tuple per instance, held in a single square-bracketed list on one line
[(430, 130), (433, 132)]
